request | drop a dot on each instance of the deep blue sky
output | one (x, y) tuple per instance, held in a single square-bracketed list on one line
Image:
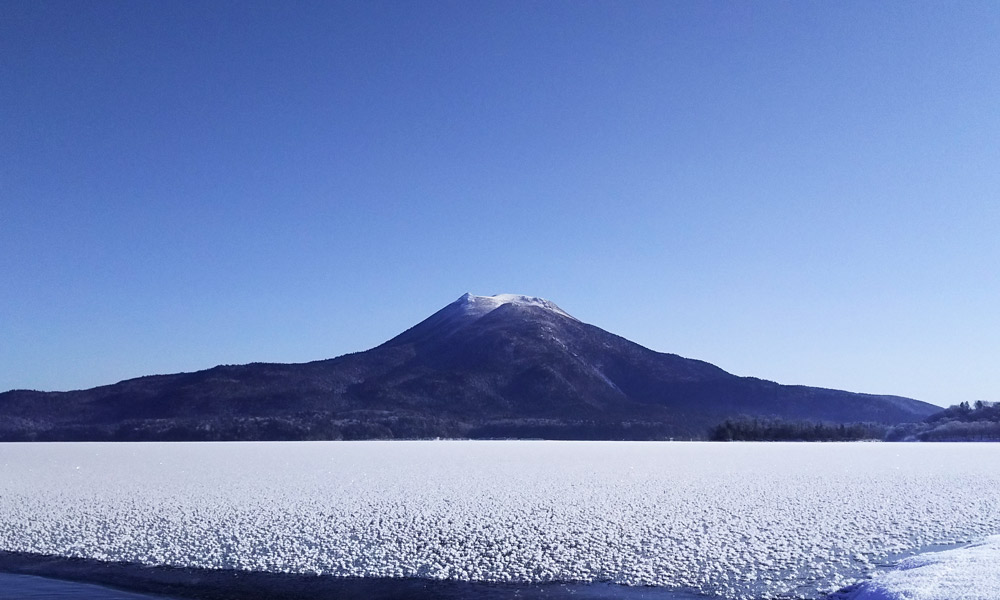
[(802, 191)]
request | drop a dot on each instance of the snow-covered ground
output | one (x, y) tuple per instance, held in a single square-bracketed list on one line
[(738, 520), (968, 573)]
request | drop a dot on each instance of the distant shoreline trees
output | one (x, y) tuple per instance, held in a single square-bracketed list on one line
[(963, 422), (979, 422), (756, 429)]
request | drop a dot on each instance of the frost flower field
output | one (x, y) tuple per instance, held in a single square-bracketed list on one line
[(733, 520)]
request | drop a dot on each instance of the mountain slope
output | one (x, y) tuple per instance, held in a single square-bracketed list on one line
[(496, 366)]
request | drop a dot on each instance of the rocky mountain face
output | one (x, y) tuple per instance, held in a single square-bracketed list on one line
[(481, 367)]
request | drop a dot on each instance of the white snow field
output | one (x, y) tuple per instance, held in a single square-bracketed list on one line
[(736, 520), (968, 573)]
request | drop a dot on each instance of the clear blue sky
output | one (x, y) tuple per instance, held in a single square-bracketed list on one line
[(807, 192)]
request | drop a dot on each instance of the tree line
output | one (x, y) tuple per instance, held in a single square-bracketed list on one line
[(755, 429), (961, 422)]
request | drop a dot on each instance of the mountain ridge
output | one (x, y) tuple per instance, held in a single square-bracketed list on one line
[(482, 366)]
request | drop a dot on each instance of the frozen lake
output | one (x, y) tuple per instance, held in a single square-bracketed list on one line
[(28, 587), (736, 520)]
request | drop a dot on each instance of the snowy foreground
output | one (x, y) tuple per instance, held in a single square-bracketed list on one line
[(969, 573), (728, 519)]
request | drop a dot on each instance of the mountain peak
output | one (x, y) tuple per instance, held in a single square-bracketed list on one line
[(480, 305), (481, 367), (465, 311)]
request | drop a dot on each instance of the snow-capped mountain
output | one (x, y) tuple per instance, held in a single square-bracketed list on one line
[(482, 366)]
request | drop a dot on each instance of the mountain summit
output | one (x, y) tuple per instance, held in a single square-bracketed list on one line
[(468, 309), (482, 366), (480, 305)]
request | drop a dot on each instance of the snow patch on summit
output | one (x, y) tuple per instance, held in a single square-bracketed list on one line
[(465, 311), (480, 305)]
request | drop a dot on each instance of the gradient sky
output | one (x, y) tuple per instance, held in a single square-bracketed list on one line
[(807, 192)]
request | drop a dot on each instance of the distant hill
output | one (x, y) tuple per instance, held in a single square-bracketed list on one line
[(481, 367)]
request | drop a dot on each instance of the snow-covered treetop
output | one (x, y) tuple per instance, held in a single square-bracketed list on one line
[(480, 305)]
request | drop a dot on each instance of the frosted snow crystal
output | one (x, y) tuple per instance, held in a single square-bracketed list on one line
[(733, 520)]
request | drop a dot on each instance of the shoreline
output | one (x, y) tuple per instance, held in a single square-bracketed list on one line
[(208, 584)]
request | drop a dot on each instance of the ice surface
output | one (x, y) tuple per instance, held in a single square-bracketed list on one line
[(739, 520), (28, 587), (969, 573)]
